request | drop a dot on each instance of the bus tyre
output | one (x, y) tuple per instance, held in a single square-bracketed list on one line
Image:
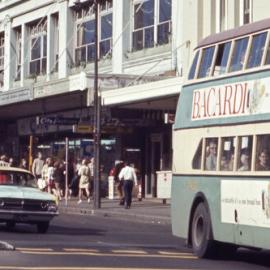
[(202, 243)]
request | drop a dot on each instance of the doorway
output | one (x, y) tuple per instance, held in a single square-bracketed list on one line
[(155, 164)]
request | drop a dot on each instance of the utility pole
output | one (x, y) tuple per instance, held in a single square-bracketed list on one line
[(97, 109)]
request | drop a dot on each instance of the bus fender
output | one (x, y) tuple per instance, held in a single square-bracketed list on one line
[(199, 198)]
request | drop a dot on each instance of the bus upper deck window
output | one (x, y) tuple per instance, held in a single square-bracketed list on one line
[(239, 53), (196, 162), (244, 154), (256, 51), (267, 61), (227, 154), (192, 71), (262, 153), (222, 58), (211, 154), (206, 61)]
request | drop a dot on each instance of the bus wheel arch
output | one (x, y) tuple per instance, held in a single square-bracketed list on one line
[(200, 234)]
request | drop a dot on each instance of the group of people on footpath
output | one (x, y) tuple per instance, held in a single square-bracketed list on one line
[(51, 177)]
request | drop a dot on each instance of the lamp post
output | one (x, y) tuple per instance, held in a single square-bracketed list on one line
[(97, 109)]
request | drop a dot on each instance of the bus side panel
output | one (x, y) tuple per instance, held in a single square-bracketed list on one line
[(184, 191)]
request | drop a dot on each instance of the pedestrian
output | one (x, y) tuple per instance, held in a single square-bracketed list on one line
[(74, 184), (91, 167), (11, 162), (43, 180), (50, 177), (3, 161), (37, 166), (23, 164), (84, 182), (119, 183), (128, 175), (58, 179)]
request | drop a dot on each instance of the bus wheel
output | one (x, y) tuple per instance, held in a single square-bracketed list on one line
[(201, 232)]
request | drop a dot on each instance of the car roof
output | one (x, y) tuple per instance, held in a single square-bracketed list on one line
[(14, 169)]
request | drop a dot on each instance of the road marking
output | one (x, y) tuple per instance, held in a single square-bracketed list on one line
[(34, 249), (178, 256), (175, 253), (80, 250), (129, 251), (80, 268)]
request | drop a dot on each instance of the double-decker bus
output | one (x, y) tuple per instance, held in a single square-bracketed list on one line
[(221, 144)]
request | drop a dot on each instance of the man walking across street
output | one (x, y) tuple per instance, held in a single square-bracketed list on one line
[(128, 175)]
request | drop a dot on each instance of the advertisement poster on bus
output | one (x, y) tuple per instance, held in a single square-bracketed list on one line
[(235, 99), (245, 202)]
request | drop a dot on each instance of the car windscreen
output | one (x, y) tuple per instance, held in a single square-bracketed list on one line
[(14, 178)]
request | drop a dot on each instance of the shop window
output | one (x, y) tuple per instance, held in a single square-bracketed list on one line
[(18, 54), (192, 71), (262, 153), (206, 61), (38, 49), (256, 51), (222, 15), (164, 25), (85, 20), (239, 52), (196, 162), (2, 56), (211, 154), (244, 153), (227, 153), (222, 58), (106, 34), (149, 31), (247, 12)]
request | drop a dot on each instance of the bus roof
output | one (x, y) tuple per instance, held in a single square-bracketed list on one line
[(234, 33)]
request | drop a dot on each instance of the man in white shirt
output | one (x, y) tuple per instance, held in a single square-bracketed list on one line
[(128, 175)]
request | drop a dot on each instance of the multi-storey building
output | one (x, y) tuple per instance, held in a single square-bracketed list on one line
[(47, 50)]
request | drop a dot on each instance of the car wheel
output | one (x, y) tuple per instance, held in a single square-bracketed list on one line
[(10, 224), (202, 244), (42, 227)]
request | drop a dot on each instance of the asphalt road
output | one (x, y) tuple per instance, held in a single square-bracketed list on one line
[(87, 242)]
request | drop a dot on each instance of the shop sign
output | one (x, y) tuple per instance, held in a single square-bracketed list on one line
[(14, 96), (82, 129), (56, 120)]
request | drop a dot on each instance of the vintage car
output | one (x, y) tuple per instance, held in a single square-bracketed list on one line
[(22, 202)]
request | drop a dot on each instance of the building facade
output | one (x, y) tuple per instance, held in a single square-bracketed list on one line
[(47, 52)]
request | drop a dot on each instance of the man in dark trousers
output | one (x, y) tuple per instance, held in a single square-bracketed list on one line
[(128, 175)]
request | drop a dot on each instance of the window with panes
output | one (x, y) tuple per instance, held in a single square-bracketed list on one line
[(38, 49), (247, 11), (2, 56), (152, 23), (18, 53), (85, 28)]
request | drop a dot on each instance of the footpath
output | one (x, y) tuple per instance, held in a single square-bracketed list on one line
[(146, 210)]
